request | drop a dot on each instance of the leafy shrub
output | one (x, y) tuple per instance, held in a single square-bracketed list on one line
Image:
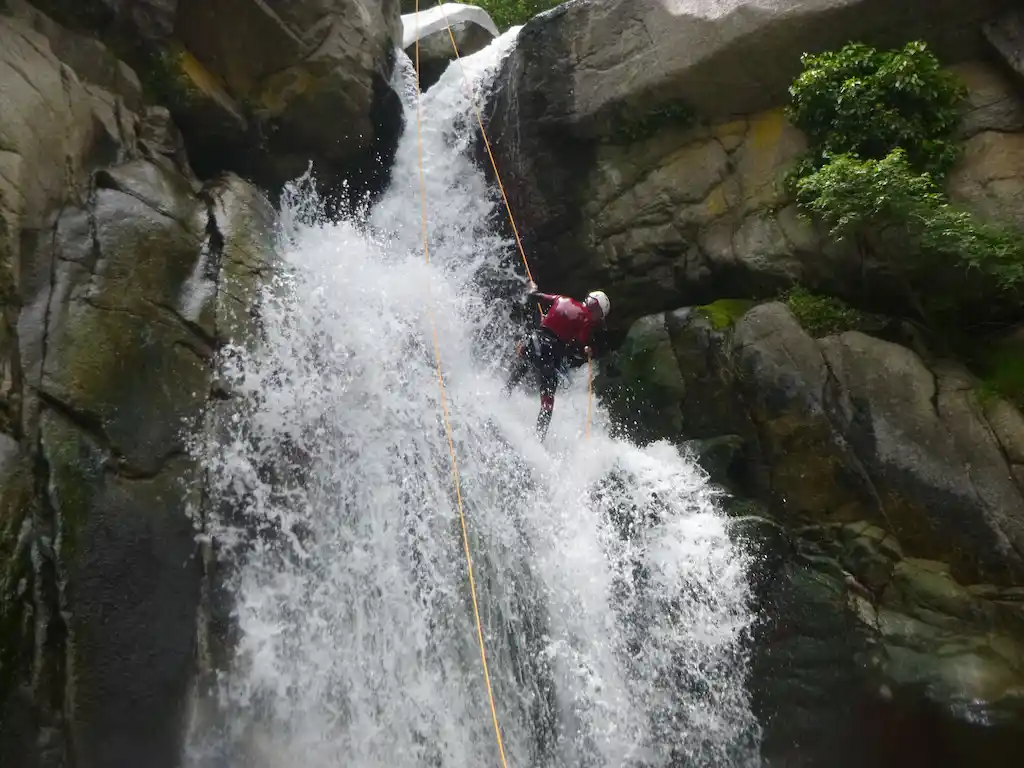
[(880, 133), (164, 80), (509, 13), (864, 102), (853, 195)]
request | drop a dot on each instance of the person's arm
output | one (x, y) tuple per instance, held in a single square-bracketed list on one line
[(547, 299), (597, 345)]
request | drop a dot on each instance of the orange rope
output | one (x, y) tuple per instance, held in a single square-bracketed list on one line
[(444, 410), (590, 389)]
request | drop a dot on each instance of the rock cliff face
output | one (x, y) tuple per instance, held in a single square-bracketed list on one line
[(643, 143), (121, 274), (262, 88), (890, 520), (842, 428)]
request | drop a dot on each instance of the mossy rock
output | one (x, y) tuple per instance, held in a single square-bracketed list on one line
[(723, 313), (131, 582), (711, 405)]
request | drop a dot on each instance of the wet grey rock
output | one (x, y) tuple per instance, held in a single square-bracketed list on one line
[(112, 259)]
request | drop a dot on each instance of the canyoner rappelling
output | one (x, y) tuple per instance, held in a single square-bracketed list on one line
[(563, 340), (565, 337)]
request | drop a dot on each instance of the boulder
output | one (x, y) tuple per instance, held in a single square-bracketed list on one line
[(121, 323), (935, 461), (724, 58), (313, 75), (647, 383), (668, 380), (993, 101), (785, 382), (91, 60), (927, 670), (988, 178), (53, 129), (1006, 34), (121, 22), (836, 429), (808, 678), (261, 87)]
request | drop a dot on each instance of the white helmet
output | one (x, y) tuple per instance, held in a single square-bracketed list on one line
[(602, 301)]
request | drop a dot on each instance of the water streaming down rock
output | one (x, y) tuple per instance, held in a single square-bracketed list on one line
[(614, 604)]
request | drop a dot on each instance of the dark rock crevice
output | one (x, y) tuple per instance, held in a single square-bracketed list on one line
[(48, 703), (92, 425), (203, 338), (105, 179)]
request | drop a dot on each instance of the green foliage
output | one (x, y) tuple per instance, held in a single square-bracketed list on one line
[(864, 102), (509, 13), (880, 131), (822, 315), (854, 195), (164, 80)]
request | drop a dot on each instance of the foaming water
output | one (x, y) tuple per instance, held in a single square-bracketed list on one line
[(614, 604)]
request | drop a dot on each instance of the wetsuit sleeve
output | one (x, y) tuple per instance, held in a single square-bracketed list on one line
[(544, 298), (599, 341)]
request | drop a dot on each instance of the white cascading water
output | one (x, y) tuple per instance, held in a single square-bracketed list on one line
[(614, 604)]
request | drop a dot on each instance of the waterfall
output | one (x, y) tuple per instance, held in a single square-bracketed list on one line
[(613, 602)]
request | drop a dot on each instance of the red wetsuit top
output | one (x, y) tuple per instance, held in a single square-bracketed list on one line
[(568, 319)]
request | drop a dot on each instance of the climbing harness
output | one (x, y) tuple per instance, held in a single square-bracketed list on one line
[(444, 407), (497, 176)]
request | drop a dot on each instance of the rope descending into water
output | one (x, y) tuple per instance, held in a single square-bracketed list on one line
[(444, 408), (497, 176)]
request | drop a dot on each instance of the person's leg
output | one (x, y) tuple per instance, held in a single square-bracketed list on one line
[(520, 365), (549, 383)]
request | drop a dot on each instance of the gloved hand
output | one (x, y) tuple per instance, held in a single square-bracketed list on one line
[(531, 287)]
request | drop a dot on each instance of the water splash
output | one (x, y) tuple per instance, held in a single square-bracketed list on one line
[(614, 604)]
